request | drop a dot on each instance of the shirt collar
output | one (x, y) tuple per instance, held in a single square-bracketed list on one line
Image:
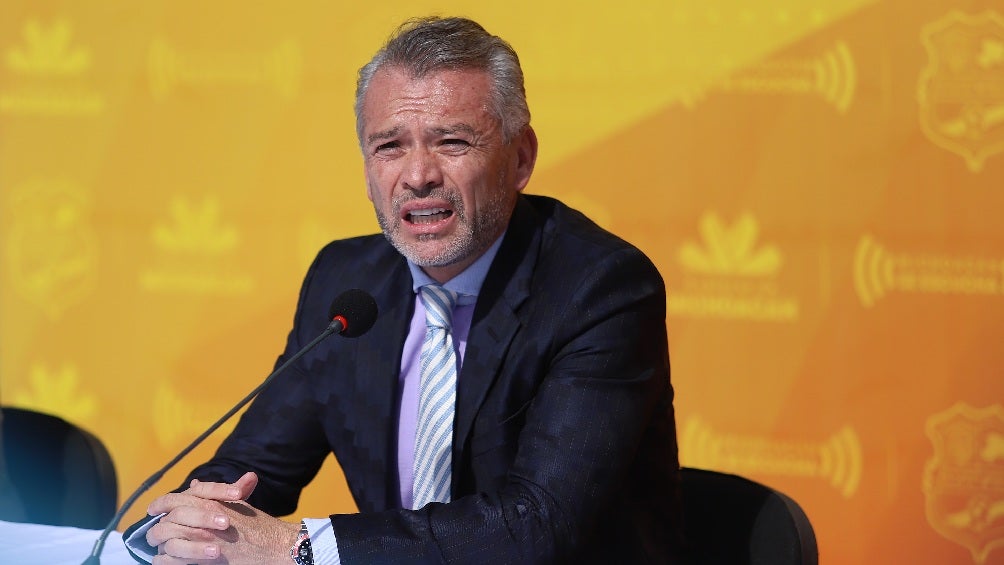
[(468, 283)]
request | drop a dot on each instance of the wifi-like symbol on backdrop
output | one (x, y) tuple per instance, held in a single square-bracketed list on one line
[(873, 271), (832, 75), (281, 68), (836, 76), (838, 460), (179, 417), (841, 461)]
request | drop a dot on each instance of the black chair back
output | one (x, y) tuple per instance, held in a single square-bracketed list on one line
[(62, 474), (731, 520)]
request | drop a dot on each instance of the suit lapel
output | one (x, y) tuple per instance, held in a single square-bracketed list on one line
[(495, 319), (378, 370)]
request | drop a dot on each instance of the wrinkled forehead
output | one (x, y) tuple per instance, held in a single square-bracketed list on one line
[(446, 92)]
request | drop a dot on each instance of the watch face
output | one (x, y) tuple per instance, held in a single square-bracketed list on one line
[(301, 552)]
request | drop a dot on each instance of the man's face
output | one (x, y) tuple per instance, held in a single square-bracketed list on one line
[(441, 178)]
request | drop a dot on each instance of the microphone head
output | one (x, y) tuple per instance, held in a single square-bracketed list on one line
[(357, 309)]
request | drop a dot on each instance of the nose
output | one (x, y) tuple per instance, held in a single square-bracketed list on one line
[(422, 171)]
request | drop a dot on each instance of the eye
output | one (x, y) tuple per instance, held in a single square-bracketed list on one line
[(385, 148), (455, 144)]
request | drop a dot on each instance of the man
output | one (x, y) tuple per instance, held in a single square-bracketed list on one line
[(557, 407)]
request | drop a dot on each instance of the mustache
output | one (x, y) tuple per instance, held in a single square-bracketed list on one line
[(451, 196)]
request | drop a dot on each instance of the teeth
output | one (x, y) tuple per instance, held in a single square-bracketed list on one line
[(428, 212)]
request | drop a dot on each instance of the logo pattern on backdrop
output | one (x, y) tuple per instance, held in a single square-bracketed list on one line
[(729, 274), (832, 75), (170, 68), (181, 418), (877, 272), (193, 250), (49, 73), (56, 391), (52, 248), (961, 93), (837, 459), (963, 481)]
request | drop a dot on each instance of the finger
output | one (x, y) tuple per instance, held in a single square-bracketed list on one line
[(191, 550), (188, 523), (167, 530), (223, 492), (211, 517), (171, 501), (157, 538), (166, 503), (168, 559), (246, 485)]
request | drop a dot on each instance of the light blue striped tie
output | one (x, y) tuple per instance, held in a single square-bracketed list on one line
[(437, 397)]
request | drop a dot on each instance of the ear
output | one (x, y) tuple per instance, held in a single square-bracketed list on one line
[(369, 187), (526, 156)]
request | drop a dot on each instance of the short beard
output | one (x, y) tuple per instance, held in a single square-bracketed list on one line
[(473, 235)]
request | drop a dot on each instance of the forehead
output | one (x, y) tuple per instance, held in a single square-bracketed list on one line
[(394, 95)]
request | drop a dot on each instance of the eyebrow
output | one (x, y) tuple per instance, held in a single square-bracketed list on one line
[(455, 128), (395, 131), (381, 135)]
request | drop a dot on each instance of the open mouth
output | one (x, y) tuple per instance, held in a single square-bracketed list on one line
[(428, 215)]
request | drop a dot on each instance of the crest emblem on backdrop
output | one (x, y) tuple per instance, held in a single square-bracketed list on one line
[(963, 482), (52, 248), (961, 91)]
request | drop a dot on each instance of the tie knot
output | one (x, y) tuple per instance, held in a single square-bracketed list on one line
[(439, 303)]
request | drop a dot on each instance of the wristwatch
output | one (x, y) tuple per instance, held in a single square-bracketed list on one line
[(301, 552)]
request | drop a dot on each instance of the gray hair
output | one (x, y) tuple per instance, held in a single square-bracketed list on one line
[(426, 45)]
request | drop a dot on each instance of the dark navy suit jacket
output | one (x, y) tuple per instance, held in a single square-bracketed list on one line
[(565, 442)]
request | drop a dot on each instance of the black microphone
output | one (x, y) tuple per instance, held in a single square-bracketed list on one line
[(352, 314)]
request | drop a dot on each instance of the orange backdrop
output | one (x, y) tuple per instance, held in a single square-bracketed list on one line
[(820, 183)]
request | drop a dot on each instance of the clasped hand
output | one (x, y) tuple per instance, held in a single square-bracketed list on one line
[(212, 523)]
